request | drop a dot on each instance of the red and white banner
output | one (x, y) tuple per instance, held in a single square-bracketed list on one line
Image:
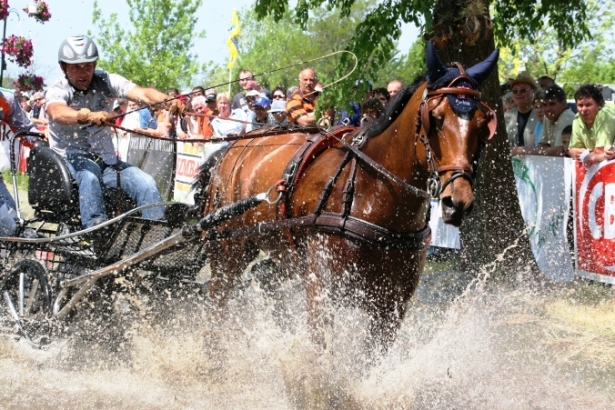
[(595, 221)]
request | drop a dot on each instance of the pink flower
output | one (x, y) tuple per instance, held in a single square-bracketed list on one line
[(19, 50), (29, 82)]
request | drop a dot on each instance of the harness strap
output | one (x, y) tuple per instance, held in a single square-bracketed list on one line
[(348, 227)]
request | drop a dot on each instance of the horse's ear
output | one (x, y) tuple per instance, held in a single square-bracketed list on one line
[(435, 68), (481, 71)]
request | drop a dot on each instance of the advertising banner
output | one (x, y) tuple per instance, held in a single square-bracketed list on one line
[(544, 191), (189, 159), (595, 221)]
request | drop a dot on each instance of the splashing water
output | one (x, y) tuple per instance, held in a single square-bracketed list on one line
[(491, 347)]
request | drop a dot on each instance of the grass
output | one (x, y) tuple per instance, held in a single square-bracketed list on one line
[(22, 180)]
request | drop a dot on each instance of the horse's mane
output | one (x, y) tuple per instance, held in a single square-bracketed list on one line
[(393, 108)]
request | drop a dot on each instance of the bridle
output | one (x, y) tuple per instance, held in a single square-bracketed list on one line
[(434, 186)]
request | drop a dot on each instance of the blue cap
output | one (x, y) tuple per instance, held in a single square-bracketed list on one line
[(262, 102)]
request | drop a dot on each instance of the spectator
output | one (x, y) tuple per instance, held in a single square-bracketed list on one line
[(300, 107), (394, 87), (201, 127), (261, 111), (372, 109), (229, 122), (197, 91), (38, 115), (521, 119), (593, 127), (247, 83), (557, 116), (508, 101), (210, 98), (279, 93), (291, 91), (173, 92), (328, 118), (539, 109), (278, 112), (566, 135), (25, 105), (251, 96), (545, 81), (382, 94)]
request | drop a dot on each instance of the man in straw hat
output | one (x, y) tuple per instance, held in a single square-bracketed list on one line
[(521, 120)]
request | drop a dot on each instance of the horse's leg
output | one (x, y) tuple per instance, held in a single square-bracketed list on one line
[(316, 290), (388, 296), (228, 260)]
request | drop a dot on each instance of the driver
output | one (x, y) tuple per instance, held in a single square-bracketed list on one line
[(79, 107), (13, 115)]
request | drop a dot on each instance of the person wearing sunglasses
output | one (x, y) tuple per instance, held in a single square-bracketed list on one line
[(278, 94), (521, 120)]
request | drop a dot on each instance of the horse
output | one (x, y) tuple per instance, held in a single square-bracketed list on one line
[(349, 209)]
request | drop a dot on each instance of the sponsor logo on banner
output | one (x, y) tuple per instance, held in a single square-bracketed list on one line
[(595, 227)]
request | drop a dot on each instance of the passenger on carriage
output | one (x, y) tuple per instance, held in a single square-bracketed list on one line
[(13, 115), (302, 103), (84, 97)]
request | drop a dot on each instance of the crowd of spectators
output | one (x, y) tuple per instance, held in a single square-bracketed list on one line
[(540, 120), (213, 114)]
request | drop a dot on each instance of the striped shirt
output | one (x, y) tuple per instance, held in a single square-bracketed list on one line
[(298, 105)]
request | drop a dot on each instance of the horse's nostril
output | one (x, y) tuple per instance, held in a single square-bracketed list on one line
[(447, 202)]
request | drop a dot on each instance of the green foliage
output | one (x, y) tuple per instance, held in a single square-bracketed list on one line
[(155, 49), (374, 38), (277, 51), (589, 62)]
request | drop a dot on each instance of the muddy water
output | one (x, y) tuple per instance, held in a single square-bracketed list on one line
[(459, 348)]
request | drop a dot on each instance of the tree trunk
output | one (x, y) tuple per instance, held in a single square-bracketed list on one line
[(495, 230)]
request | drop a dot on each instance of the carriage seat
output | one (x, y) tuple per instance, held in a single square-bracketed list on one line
[(54, 193), (51, 189)]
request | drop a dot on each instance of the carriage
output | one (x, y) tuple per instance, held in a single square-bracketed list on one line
[(347, 208)]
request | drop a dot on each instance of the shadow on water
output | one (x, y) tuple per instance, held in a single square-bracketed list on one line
[(462, 346)]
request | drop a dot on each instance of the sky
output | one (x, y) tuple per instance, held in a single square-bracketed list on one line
[(70, 17)]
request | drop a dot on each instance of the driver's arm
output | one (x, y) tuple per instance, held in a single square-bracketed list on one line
[(147, 96), (61, 113)]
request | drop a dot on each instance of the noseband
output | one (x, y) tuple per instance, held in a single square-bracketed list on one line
[(434, 186)]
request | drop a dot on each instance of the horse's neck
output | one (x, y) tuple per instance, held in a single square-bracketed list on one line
[(395, 148)]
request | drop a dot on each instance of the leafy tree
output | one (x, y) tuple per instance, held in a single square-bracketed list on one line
[(155, 49), (463, 31), (589, 61)]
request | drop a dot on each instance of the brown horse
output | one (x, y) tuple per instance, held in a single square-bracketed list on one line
[(353, 206)]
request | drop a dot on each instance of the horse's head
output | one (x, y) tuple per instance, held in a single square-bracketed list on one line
[(453, 122)]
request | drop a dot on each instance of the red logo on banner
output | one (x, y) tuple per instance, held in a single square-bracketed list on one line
[(595, 218), (187, 167)]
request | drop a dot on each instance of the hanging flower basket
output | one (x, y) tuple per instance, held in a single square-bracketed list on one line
[(4, 9), (29, 82), (19, 50), (39, 10)]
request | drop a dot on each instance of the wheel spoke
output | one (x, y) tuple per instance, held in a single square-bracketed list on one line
[(9, 304), (32, 296), (21, 293)]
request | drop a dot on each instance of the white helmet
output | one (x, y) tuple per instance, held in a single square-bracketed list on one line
[(77, 50)]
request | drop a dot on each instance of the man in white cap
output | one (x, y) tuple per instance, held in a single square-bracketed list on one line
[(78, 107), (521, 119)]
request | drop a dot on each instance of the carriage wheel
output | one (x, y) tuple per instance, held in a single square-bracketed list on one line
[(27, 298)]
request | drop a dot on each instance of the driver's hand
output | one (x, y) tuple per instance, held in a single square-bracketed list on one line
[(176, 107), (99, 118)]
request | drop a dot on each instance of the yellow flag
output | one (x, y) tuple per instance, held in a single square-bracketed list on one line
[(231, 42)]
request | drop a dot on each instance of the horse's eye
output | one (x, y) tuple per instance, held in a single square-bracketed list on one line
[(437, 121)]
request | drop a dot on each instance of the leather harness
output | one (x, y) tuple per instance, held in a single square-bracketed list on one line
[(352, 140)]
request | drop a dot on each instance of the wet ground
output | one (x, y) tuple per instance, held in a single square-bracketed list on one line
[(465, 344), (462, 346)]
